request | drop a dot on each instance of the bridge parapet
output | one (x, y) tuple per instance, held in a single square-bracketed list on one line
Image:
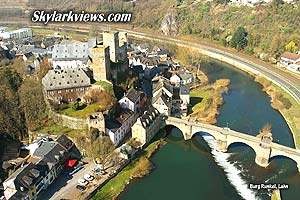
[(224, 137)]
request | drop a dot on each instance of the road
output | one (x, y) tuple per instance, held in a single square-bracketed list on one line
[(64, 187), (287, 81)]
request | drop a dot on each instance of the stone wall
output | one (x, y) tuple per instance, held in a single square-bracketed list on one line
[(68, 121)]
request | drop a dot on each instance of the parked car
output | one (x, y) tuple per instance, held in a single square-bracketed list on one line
[(82, 181), (99, 171), (76, 169), (80, 187), (88, 177)]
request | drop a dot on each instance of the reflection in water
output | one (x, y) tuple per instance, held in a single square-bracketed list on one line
[(193, 170)]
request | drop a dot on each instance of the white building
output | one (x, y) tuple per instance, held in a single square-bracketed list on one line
[(175, 79), (131, 100), (293, 67), (288, 58), (15, 34), (117, 129)]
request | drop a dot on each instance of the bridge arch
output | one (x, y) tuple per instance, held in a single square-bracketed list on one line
[(230, 145), (170, 127), (280, 156)]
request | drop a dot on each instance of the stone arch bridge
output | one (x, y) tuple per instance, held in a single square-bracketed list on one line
[(224, 137)]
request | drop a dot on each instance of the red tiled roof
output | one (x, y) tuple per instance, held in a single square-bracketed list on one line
[(291, 56)]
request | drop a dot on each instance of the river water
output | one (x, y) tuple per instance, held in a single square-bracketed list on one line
[(192, 170)]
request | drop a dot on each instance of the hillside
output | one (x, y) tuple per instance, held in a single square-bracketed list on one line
[(269, 27)]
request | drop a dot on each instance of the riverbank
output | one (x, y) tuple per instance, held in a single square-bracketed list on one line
[(285, 104), (138, 168), (206, 101)]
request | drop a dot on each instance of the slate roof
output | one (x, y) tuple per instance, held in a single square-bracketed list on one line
[(133, 95), (149, 61), (25, 176), (64, 141), (185, 76), (149, 116), (184, 90), (23, 49), (74, 50), (66, 78), (164, 98), (160, 82), (50, 151)]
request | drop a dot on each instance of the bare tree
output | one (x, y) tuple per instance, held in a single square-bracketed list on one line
[(101, 150)]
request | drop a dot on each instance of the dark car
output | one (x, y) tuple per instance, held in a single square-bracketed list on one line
[(80, 187)]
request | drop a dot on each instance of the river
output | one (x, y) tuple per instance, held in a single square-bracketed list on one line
[(193, 169)]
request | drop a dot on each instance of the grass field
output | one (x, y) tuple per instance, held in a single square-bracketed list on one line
[(82, 113), (75, 36), (106, 86), (292, 115), (56, 129)]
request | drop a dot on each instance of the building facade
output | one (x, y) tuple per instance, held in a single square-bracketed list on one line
[(146, 126), (66, 85), (117, 129), (101, 63), (131, 101)]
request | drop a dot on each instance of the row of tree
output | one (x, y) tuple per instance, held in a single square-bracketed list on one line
[(22, 105)]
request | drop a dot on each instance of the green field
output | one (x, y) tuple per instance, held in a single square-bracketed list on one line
[(106, 85), (82, 113), (292, 115), (56, 129)]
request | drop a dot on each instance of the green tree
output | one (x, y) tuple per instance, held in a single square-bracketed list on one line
[(32, 102), (75, 106), (291, 47), (11, 117), (239, 38)]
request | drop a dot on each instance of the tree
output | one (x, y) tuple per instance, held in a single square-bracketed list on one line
[(291, 47), (75, 106), (11, 117), (32, 102), (102, 150), (43, 69), (239, 38)]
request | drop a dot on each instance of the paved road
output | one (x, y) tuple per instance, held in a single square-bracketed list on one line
[(63, 187), (289, 82)]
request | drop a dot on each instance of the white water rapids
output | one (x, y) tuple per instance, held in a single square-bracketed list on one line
[(232, 172)]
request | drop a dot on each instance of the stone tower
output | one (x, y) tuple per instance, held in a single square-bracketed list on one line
[(123, 39), (96, 120), (111, 39), (101, 63)]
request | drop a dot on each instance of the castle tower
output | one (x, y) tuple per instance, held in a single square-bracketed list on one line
[(101, 63), (111, 39), (123, 39)]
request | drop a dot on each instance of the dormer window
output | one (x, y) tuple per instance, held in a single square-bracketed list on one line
[(68, 82)]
